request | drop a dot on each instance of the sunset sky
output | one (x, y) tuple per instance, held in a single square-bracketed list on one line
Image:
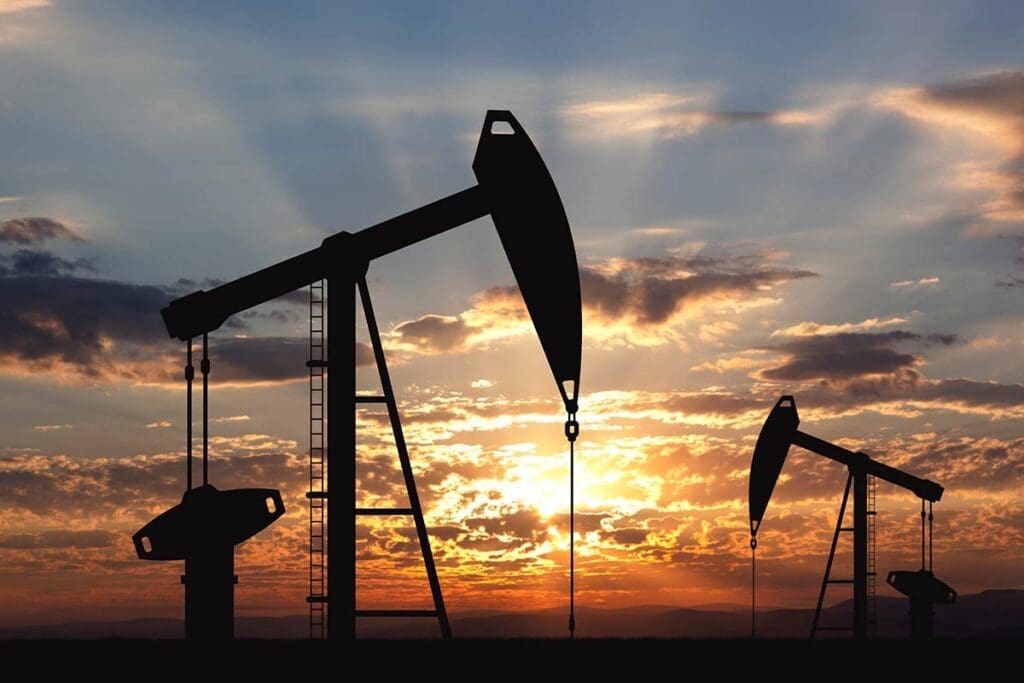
[(822, 199)]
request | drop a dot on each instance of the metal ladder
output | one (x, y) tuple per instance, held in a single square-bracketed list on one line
[(872, 558), (827, 580), (316, 495), (317, 598)]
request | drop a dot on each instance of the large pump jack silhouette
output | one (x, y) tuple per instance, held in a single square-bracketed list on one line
[(516, 189), (778, 433)]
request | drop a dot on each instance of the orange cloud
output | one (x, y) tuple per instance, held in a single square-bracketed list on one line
[(11, 6), (720, 365), (626, 302), (661, 480), (920, 282), (987, 112), (805, 329), (34, 229), (665, 115)]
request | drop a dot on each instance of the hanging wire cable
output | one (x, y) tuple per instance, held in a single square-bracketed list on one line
[(923, 534), (753, 587), (572, 430), (931, 543), (190, 374), (205, 368)]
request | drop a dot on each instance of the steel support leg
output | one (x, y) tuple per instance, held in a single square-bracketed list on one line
[(341, 457), (860, 553)]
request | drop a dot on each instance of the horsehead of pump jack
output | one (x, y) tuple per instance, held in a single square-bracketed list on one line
[(516, 189)]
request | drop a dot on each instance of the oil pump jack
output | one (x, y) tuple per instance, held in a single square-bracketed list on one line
[(778, 433), (516, 189), (204, 529)]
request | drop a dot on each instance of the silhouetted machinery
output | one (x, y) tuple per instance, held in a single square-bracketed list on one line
[(517, 191), (778, 433), (925, 591), (203, 530)]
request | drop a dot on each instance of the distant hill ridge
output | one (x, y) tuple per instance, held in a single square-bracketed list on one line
[(991, 613)]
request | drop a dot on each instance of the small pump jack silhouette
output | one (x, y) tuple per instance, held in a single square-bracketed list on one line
[(204, 529), (778, 434), (924, 590)]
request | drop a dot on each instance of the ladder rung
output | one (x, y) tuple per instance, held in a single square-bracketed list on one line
[(316, 598), (872, 512), (371, 399), (840, 580), (316, 364), (846, 528), (384, 511), (316, 494)]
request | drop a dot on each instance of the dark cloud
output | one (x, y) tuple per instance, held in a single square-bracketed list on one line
[(962, 462), (521, 524), (1000, 93), (59, 538), (1010, 282), (69, 319), (260, 359), (45, 321), (651, 290), (627, 536), (35, 229), (133, 488), (32, 262), (436, 333), (300, 297), (186, 285), (908, 386), (51, 317), (974, 393), (241, 321), (364, 354), (640, 291), (847, 356), (267, 359), (275, 314)]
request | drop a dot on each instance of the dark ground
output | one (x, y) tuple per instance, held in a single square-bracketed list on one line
[(981, 639), (517, 659)]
